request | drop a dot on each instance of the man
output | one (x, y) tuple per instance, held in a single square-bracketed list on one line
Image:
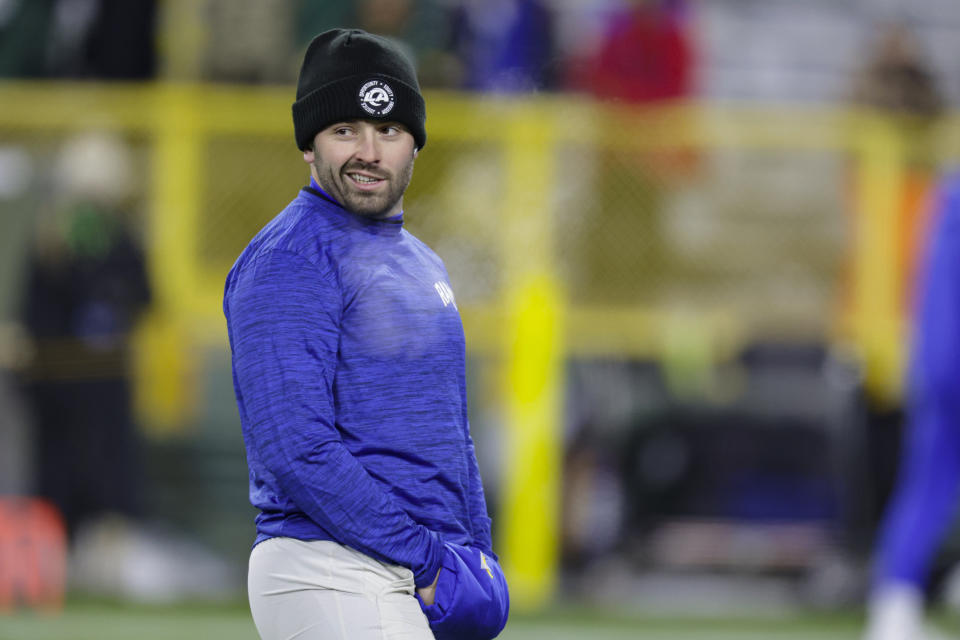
[(348, 366), (85, 291), (928, 487)]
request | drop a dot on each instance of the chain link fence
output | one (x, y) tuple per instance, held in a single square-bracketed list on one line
[(677, 239)]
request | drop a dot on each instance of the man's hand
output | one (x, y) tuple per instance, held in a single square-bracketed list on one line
[(428, 593)]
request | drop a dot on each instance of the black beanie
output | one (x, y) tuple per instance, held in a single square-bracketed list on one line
[(351, 75)]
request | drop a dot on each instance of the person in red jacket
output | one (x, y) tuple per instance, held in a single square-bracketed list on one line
[(645, 57)]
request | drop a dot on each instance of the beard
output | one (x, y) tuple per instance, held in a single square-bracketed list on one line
[(369, 204)]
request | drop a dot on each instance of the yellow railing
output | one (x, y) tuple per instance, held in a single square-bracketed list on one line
[(527, 322)]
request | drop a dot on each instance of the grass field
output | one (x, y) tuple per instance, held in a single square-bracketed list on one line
[(108, 621)]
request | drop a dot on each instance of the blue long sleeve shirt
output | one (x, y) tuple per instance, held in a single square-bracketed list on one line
[(935, 361), (925, 502), (348, 367)]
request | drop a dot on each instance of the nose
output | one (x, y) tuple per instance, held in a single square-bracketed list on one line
[(368, 146)]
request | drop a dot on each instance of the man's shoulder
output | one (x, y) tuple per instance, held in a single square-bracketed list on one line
[(304, 226), (422, 247), (299, 230)]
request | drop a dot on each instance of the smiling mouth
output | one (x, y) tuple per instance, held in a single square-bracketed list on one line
[(364, 180)]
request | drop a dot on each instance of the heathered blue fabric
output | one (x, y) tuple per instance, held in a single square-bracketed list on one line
[(348, 367), (925, 502)]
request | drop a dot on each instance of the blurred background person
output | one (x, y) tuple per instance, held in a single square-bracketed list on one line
[(245, 42), (646, 55), (23, 26), (898, 90), (899, 83), (643, 62), (78, 38), (928, 485), (504, 46), (897, 78), (86, 285), (421, 28)]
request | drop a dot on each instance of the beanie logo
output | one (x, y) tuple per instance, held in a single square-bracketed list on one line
[(376, 98)]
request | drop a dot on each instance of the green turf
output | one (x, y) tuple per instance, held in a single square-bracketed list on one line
[(112, 624), (111, 621)]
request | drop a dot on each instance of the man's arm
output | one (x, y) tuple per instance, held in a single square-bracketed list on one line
[(935, 361), (284, 318), (477, 503)]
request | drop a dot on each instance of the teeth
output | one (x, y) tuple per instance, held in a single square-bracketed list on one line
[(363, 179)]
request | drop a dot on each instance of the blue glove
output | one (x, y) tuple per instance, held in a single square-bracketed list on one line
[(471, 600)]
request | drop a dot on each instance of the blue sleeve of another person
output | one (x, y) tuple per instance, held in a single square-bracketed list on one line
[(935, 372), (928, 485), (284, 320)]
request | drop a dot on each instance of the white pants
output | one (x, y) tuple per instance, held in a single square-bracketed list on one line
[(321, 590)]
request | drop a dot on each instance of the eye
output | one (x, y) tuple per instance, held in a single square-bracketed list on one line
[(341, 130), (391, 130)]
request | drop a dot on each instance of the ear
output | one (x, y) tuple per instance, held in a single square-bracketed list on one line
[(308, 156), (415, 152)]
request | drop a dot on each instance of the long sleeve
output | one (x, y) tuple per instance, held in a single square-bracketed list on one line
[(935, 366), (284, 317), (925, 501), (477, 504)]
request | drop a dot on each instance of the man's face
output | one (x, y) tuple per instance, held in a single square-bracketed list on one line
[(366, 165)]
